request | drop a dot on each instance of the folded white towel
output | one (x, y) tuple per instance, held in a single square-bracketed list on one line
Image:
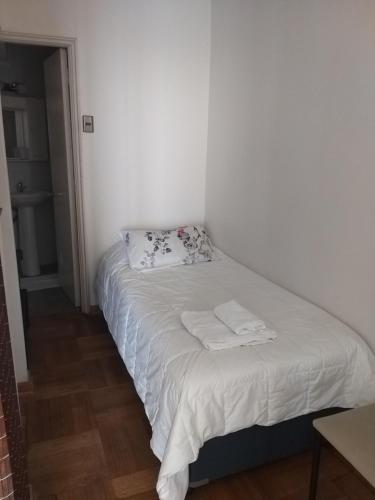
[(238, 319), (214, 335)]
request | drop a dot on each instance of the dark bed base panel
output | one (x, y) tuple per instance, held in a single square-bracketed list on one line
[(254, 446)]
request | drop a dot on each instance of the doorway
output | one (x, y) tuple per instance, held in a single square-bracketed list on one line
[(39, 112)]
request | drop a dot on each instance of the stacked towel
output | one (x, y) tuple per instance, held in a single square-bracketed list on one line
[(215, 335), (238, 319)]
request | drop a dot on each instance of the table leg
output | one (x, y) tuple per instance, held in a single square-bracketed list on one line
[(315, 466)]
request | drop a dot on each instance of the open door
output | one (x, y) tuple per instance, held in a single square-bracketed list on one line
[(9, 267), (61, 157)]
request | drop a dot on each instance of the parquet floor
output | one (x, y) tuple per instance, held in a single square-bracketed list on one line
[(88, 437)]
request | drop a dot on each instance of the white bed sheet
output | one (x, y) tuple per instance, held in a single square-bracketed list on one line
[(192, 394)]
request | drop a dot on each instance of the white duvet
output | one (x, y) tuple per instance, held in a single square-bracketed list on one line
[(192, 394)]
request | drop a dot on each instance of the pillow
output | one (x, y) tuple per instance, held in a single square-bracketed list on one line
[(172, 247)]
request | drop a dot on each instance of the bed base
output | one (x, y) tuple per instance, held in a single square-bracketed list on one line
[(254, 446)]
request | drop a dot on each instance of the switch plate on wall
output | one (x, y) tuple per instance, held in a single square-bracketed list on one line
[(88, 123)]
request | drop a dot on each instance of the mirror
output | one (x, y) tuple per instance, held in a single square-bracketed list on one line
[(15, 132)]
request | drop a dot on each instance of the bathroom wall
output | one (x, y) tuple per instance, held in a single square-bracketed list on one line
[(20, 63), (25, 64)]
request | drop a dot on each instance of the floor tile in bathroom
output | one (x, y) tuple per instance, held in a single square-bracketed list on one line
[(49, 301)]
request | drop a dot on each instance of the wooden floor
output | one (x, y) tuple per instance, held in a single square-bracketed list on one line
[(88, 437)]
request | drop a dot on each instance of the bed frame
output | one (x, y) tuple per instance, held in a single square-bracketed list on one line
[(252, 447)]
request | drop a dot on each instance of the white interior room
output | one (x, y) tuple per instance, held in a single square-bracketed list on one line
[(252, 121)]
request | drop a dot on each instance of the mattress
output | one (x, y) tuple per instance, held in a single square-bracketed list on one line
[(191, 394)]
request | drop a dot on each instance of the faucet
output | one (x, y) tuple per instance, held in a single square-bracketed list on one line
[(20, 187)]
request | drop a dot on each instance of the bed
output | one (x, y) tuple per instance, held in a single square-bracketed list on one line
[(193, 396)]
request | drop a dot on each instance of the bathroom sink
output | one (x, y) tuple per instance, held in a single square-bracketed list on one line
[(29, 199), (25, 202)]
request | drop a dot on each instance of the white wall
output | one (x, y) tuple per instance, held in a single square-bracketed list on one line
[(291, 147), (143, 73)]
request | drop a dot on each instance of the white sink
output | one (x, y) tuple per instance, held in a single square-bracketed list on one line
[(29, 199), (25, 202)]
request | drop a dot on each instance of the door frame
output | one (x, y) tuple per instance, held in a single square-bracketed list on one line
[(70, 44)]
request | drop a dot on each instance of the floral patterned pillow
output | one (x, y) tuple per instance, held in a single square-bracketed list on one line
[(173, 247)]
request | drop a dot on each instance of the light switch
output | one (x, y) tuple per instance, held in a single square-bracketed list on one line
[(88, 123)]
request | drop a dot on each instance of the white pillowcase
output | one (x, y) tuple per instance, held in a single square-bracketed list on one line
[(162, 248)]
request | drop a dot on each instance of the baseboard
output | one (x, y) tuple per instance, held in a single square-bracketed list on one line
[(95, 310), (41, 282), (25, 393), (25, 387)]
